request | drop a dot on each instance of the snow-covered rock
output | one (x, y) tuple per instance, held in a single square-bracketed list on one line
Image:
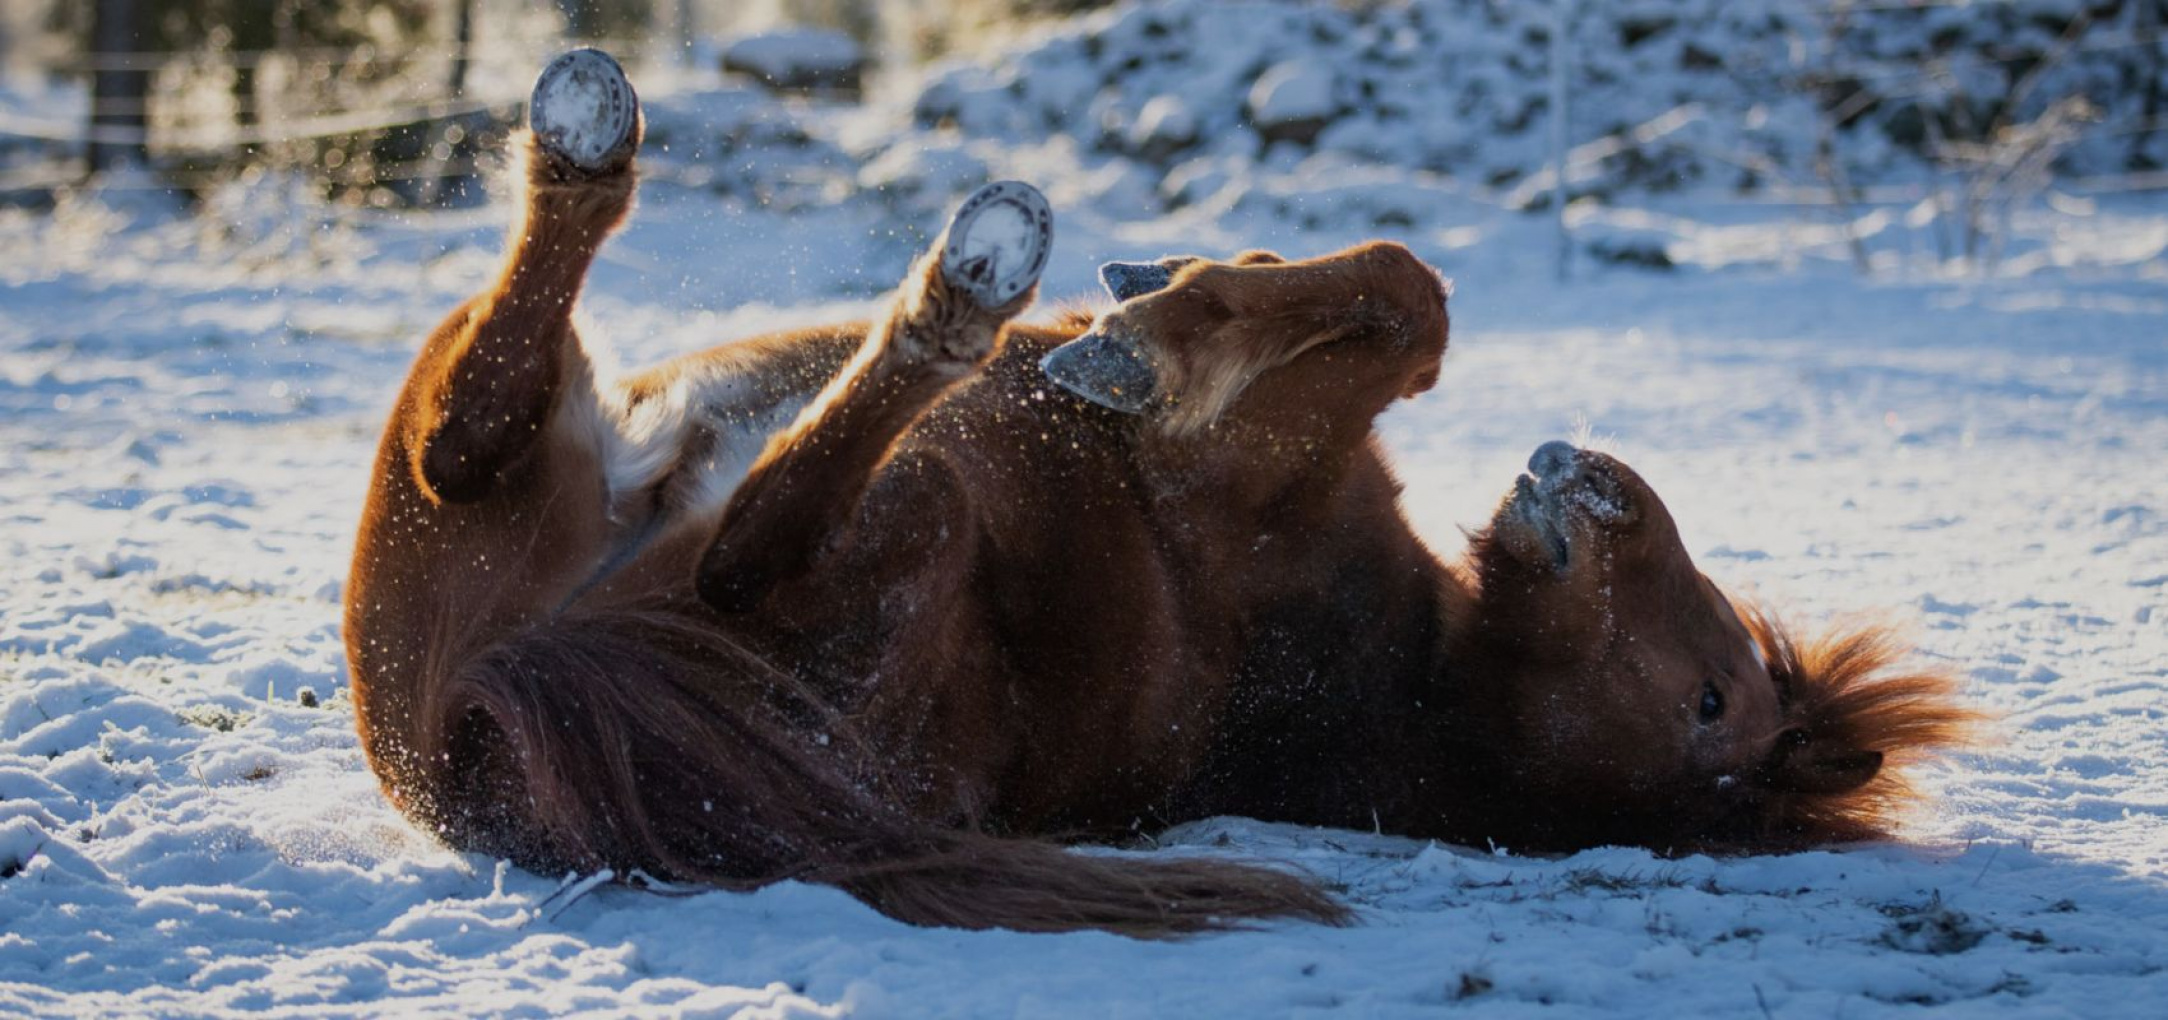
[(1163, 128), (920, 179), (1696, 94), (799, 60), (1293, 101)]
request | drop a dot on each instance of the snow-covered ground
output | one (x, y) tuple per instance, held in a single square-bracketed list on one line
[(187, 412)]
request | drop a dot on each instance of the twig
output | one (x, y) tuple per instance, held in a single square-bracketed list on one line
[(576, 891)]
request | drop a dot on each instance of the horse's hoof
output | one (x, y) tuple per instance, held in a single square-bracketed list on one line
[(584, 111), (1126, 280), (1108, 369), (997, 243)]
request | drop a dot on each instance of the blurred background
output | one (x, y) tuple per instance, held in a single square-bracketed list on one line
[(370, 92), (1936, 120)]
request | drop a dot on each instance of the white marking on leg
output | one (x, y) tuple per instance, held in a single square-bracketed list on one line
[(740, 419), (693, 442)]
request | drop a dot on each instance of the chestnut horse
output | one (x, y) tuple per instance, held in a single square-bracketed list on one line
[(875, 604)]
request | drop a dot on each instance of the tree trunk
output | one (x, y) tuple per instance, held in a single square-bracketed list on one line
[(244, 91), (461, 54), (685, 32), (2148, 32), (120, 87), (582, 20)]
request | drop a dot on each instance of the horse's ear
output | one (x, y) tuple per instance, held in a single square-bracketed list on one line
[(1798, 763)]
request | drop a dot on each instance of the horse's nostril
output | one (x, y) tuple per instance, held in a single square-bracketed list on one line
[(1553, 459)]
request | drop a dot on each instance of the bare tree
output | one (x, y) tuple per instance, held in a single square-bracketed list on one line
[(2148, 34), (2014, 164), (1839, 100), (463, 48), (2013, 157)]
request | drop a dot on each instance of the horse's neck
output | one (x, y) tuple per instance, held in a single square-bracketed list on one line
[(1471, 740)]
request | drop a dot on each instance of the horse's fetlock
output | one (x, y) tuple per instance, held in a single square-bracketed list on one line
[(937, 331)]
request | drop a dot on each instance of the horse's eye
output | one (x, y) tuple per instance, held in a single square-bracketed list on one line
[(1712, 702)]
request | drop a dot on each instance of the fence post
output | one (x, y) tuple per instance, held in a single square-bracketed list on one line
[(119, 88), (582, 20), (2148, 32), (686, 32), (1562, 18), (463, 44)]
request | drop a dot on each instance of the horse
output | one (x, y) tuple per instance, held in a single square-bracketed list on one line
[(892, 605)]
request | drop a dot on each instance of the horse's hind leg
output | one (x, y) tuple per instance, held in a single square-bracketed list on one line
[(487, 382), (489, 502), (943, 323)]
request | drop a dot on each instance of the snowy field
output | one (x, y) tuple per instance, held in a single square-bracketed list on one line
[(187, 412)]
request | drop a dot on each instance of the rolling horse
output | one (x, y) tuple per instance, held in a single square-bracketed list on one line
[(894, 605)]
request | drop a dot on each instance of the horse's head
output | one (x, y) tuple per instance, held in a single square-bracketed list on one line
[(1637, 703), (1191, 336)]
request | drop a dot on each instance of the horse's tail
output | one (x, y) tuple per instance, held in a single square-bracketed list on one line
[(967, 880), (645, 738)]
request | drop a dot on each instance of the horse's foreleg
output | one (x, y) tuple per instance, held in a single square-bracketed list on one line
[(943, 323), (483, 389)]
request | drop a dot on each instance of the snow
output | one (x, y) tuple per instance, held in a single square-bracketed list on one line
[(187, 412), (1690, 94)]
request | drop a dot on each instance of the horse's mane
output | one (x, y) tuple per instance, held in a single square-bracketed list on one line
[(1854, 686), (1076, 314)]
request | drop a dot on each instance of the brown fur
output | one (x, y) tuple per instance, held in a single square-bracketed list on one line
[(535, 677), (949, 607)]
